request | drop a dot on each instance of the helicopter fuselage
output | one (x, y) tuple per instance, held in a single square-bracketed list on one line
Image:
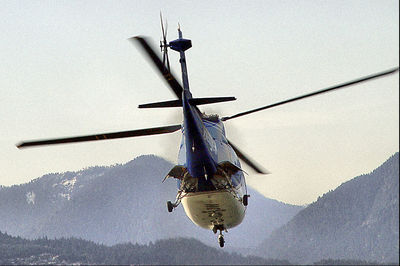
[(211, 184), (215, 197)]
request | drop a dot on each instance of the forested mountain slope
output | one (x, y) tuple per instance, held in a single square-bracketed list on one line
[(358, 220), (70, 251)]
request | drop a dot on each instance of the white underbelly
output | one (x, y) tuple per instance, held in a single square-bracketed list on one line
[(207, 209)]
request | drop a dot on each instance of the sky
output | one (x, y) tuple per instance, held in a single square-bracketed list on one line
[(68, 69)]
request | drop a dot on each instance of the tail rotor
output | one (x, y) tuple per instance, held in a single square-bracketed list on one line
[(164, 45)]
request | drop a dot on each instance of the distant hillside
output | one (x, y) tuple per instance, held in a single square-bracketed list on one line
[(123, 203), (76, 251), (359, 220)]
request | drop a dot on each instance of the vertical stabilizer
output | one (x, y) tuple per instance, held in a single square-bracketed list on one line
[(181, 45)]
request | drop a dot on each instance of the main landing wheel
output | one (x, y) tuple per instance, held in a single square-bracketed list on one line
[(246, 200), (170, 206)]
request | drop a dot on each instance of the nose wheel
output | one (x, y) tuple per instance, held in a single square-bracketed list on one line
[(221, 239)]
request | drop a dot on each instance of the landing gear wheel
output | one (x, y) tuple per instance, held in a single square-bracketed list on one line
[(221, 240), (246, 200), (170, 206)]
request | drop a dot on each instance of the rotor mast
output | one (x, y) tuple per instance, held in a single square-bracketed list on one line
[(181, 45)]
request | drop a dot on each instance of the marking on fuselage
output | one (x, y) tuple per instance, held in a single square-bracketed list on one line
[(212, 206)]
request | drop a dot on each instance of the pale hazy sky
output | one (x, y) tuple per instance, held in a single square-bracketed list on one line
[(68, 69)]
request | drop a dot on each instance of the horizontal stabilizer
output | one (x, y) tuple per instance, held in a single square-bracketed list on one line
[(200, 101), (229, 168), (178, 171), (193, 101), (173, 103)]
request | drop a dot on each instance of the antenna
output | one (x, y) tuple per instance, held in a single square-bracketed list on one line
[(179, 31)]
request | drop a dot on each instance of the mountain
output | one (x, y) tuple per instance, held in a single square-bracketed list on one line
[(123, 203), (359, 220), (70, 251)]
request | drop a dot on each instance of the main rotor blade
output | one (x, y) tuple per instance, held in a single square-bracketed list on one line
[(247, 160), (335, 87), (114, 135), (169, 78)]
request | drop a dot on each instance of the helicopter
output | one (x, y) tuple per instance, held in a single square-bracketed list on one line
[(210, 179)]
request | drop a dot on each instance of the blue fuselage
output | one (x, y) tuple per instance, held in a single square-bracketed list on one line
[(204, 151), (204, 147)]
